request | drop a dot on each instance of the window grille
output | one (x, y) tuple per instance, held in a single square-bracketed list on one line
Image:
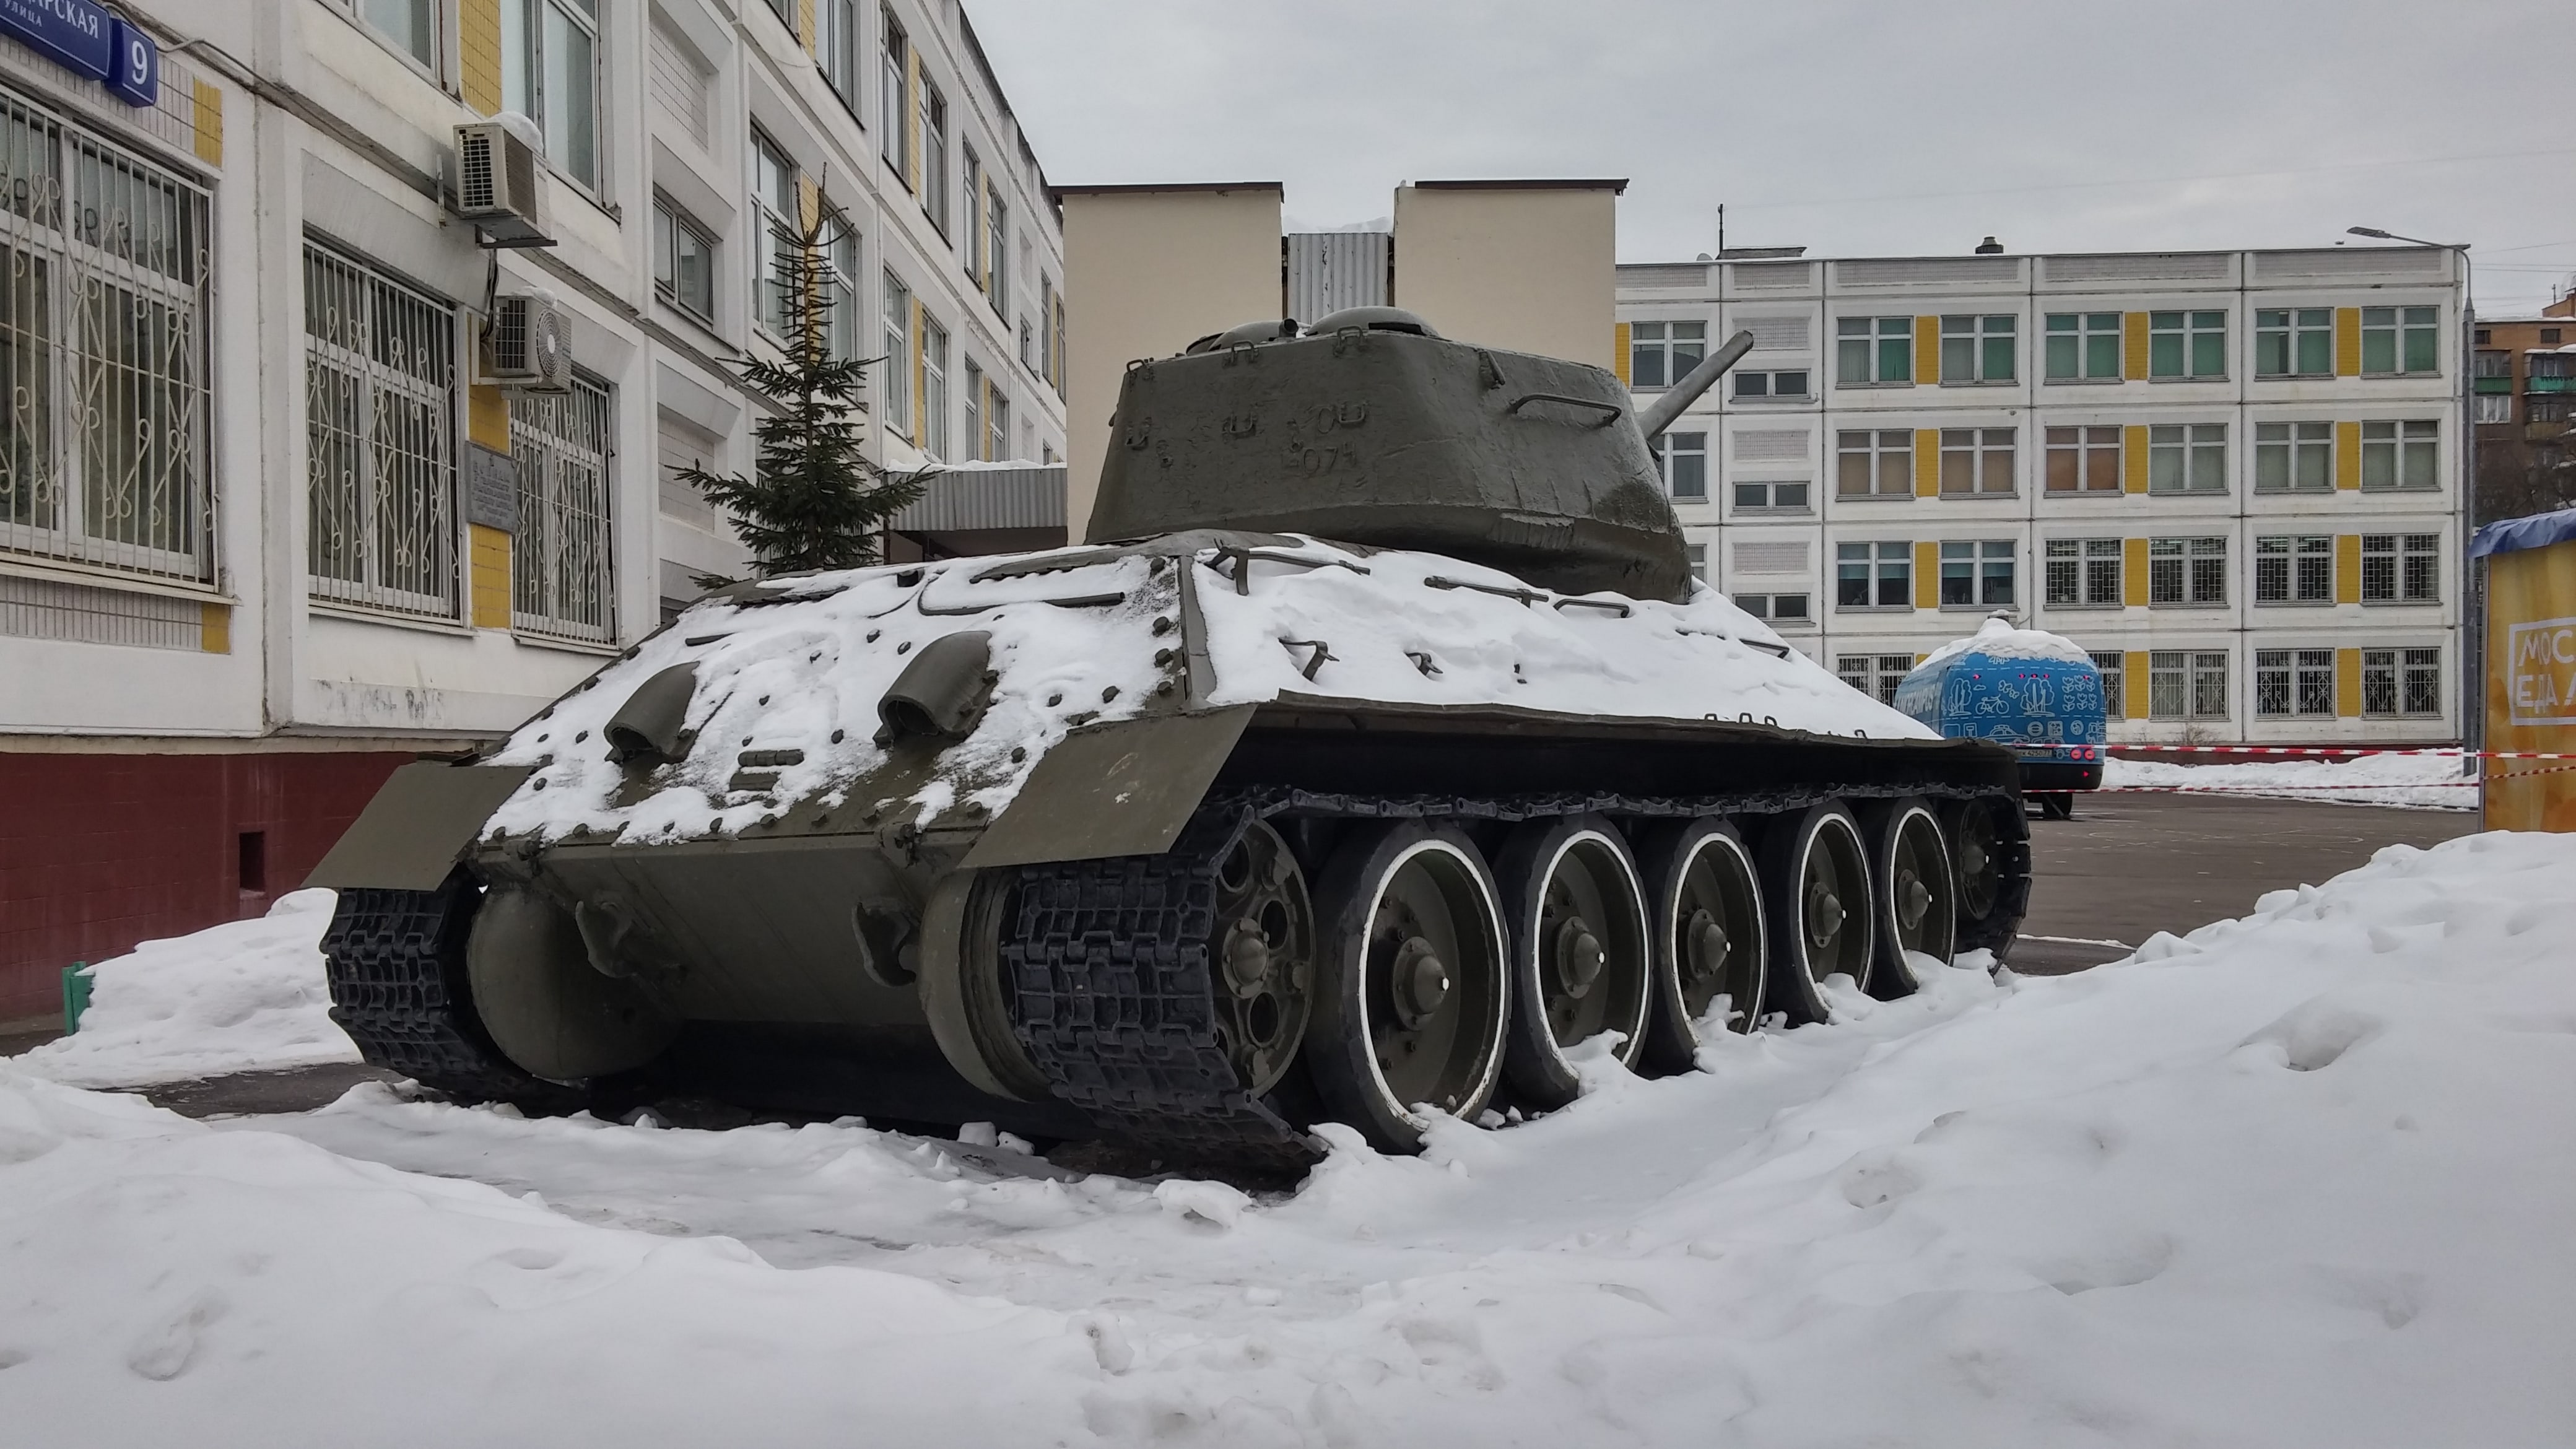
[(2401, 568), (561, 565), (2289, 682), (2401, 681), (2187, 684), (380, 424), (2187, 571), (103, 294), (1876, 675), (2115, 675), (2294, 570), (2084, 572)]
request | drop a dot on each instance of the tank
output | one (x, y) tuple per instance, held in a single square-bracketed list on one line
[(1376, 759), (2035, 693)]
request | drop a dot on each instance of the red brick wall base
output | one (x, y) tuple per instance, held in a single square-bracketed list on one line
[(98, 852)]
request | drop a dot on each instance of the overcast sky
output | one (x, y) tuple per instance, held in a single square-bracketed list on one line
[(1855, 127)]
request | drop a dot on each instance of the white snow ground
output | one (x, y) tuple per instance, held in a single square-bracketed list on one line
[(2421, 778), (2300, 1179)]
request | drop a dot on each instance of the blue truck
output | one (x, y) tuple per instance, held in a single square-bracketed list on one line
[(2033, 691)]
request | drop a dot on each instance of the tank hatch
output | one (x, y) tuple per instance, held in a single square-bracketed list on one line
[(1391, 436)]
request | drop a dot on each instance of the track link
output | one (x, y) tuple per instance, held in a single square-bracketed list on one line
[(396, 961)]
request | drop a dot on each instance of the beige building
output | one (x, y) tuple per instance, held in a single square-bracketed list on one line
[(1525, 265)]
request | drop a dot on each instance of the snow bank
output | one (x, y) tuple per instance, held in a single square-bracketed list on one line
[(1998, 639), (2297, 1180), (248, 996), (2429, 778)]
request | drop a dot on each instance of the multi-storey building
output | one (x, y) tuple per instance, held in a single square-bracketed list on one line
[(271, 522), (2231, 476), (2524, 376)]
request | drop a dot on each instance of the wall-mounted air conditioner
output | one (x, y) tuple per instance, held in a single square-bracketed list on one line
[(527, 344), (499, 181)]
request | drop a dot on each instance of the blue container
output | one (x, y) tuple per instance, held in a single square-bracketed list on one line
[(2035, 693)]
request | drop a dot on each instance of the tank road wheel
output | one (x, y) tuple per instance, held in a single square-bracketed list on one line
[(1580, 961), (396, 964), (1708, 936), (547, 1006), (1264, 955), (1990, 860), (964, 990), (1815, 876), (1918, 899), (1414, 994)]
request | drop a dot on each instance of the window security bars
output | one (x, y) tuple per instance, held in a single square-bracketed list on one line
[(2083, 573), (1876, 675), (2187, 571), (2401, 568), (2401, 681), (103, 296), (2187, 684), (380, 446), (2294, 570), (562, 579), (2290, 682), (2115, 676)]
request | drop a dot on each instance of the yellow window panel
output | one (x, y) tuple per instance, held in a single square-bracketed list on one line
[(2133, 572), (487, 416), (2348, 683), (2134, 684), (2347, 455), (2347, 342), (1927, 462), (809, 200), (2347, 578), (478, 54), (2133, 453), (2133, 353), (805, 27), (489, 550), (209, 121), (1927, 575), (1927, 349), (1619, 352), (216, 635)]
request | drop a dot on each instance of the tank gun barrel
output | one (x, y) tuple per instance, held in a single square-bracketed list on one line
[(1700, 379)]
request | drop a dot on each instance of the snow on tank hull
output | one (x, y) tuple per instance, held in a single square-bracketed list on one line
[(1196, 842)]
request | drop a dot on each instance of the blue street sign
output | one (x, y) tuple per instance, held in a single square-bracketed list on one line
[(89, 41)]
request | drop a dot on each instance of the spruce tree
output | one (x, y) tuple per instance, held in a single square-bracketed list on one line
[(814, 500)]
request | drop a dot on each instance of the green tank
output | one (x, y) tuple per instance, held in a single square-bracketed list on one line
[(1376, 757)]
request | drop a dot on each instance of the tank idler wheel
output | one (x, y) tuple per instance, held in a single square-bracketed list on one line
[(1816, 890), (1263, 955), (963, 991), (1976, 860), (1708, 937), (1581, 965), (1918, 897), (1414, 993), (548, 1008)]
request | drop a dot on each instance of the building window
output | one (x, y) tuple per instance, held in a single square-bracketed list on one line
[(561, 566), (2401, 681), (1875, 463), (2114, 668), (411, 26), (550, 74), (2187, 684), (997, 246), (1774, 497), (2083, 346), (1786, 383), (775, 206), (2491, 407), (2547, 409), (2294, 343), (2400, 341), (1055, 333), (1876, 675), (894, 102), (2401, 568), (683, 262), (1977, 574), (2187, 345), (2293, 457), (841, 287), (997, 423), (103, 375), (2401, 455), (2549, 335), (1976, 462), (837, 43), (1663, 353), (1682, 460), (1776, 608), (1046, 328), (1978, 349), (2187, 458), (380, 441), (2187, 571), (934, 389), (1869, 351), (2290, 682), (934, 156), (1028, 345), (1696, 556), (974, 434), (2084, 460), (2491, 363), (2294, 570), (1874, 576), (2084, 573), (896, 414), (972, 166)]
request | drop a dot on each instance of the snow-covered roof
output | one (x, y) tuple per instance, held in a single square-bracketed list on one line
[(1080, 635), (1998, 639)]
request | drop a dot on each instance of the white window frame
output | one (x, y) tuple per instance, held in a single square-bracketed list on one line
[(1867, 350), (1976, 560), (2088, 445), (2401, 454), (2294, 329), (894, 98), (1682, 458), (2081, 570), (670, 224), (894, 389), (1662, 351), (2187, 573), (1984, 457), (2300, 454), (775, 200), (436, 66), (2401, 683), (1771, 490), (1766, 606), (2187, 684), (2291, 569), (2187, 459), (2294, 683), (997, 220), (838, 41), (2187, 331), (2401, 568), (934, 155), (1767, 387), (2399, 329), (934, 389), (2089, 337), (1977, 335), (526, 86), (1879, 451), (2113, 665), (1883, 562), (1876, 675)]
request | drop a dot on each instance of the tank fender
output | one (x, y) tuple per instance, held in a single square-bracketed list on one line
[(1124, 788), (420, 821)]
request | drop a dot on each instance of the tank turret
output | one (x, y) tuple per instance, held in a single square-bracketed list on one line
[(1371, 428)]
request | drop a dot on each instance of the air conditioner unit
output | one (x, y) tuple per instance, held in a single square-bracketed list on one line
[(497, 186), (527, 344)]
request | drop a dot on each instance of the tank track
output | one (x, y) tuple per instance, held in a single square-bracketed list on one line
[(396, 961), (1112, 993)]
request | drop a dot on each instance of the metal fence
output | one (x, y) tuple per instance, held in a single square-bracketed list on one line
[(103, 302), (561, 578), (380, 419)]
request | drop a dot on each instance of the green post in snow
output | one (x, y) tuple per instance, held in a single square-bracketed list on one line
[(76, 982)]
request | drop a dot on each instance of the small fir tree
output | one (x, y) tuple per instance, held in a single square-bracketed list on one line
[(814, 499)]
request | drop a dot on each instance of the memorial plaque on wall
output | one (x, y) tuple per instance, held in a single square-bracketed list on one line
[(491, 488)]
